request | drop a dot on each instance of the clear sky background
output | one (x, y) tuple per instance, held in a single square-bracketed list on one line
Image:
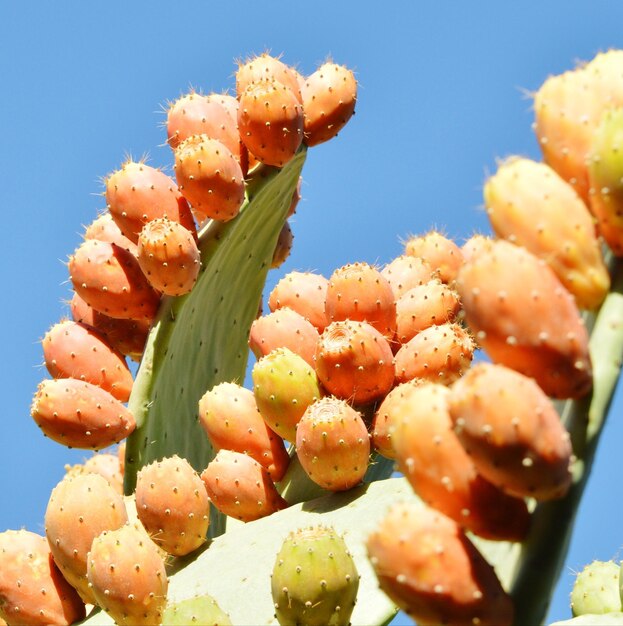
[(443, 95)]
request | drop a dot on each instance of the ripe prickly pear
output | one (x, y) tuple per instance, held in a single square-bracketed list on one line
[(406, 272), (105, 464), (104, 228), (596, 589), (314, 580), (265, 67), (198, 611), (439, 252), (283, 247)]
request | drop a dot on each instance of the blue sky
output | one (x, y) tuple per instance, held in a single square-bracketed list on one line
[(443, 95)]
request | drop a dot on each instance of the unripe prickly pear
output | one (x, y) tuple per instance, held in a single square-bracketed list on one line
[(439, 252), (240, 487), (430, 569), (406, 272), (284, 385), (32, 590), (127, 575), (198, 611), (265, 67), (168, 256), (332, 444), (173, 506), (75, 350), (80, 508), (329, 97), (314, 579), (596, 589), (78, 414)]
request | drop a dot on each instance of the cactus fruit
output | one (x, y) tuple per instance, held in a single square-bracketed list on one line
[(109, 279), (104, 228), (512, 432), (240, 487), (354, 362), (75, 350), (80, 508), (406, 272), (173, 506), (596, 589), (78, 414), (439, 252), (265, 67), (329, 97), (284, 385), (270, 122), (283, 247), (229, 415), (210, 178), (524, 318), (530, 205), (127, 575), (32, 590), (138, 193), (168, 256), (332, 444), (431, 570), (105, 464), (314, 580), (196, 611)]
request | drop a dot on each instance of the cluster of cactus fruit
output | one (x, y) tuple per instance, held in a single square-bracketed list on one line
[(356, 373)]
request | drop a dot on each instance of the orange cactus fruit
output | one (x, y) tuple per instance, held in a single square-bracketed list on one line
[(104, 228), (79, 509), (109, 279), (75, 350), (103, 463), (441, 253), (230, 416), (354, 362), (430, 304), (210, 178), (126, 336), (475, 245), (265, 67), (238, 486), (426, 564), (296, 198), (525, 319), (329, 98), (512, 432), (442, 473), (530, 205), (138, 193), (169, 257), (359, 292), (439, 354), (332, 444), (406, 272), (173, 506), (127, 574), (270, 122), (284, 328), (78, 414), (303, 292), (283, 247), (32, 590)]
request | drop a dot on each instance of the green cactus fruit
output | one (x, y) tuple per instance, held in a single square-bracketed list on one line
[(173, 506), (314, 580), (80, 508), (303, 292), (439, 252), (359, 292), (596, 589), (284, 385), (127, 575), (524, 318), (104, 228), (354, 362), (266, 67), (109, 279), (329, 97), (406, 272), (169, 256), (32, 590), (332, 444), (76, 350), (512, 432), (198, 611), (138, 193), (438, 354), (78, 414), (229, 415), (529, 204), (210, 178), (284, 328), (240, 487), (284, 246), (427, 565)]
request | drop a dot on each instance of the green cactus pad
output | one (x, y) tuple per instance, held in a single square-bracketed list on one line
[(596, 589), (198, 611)]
